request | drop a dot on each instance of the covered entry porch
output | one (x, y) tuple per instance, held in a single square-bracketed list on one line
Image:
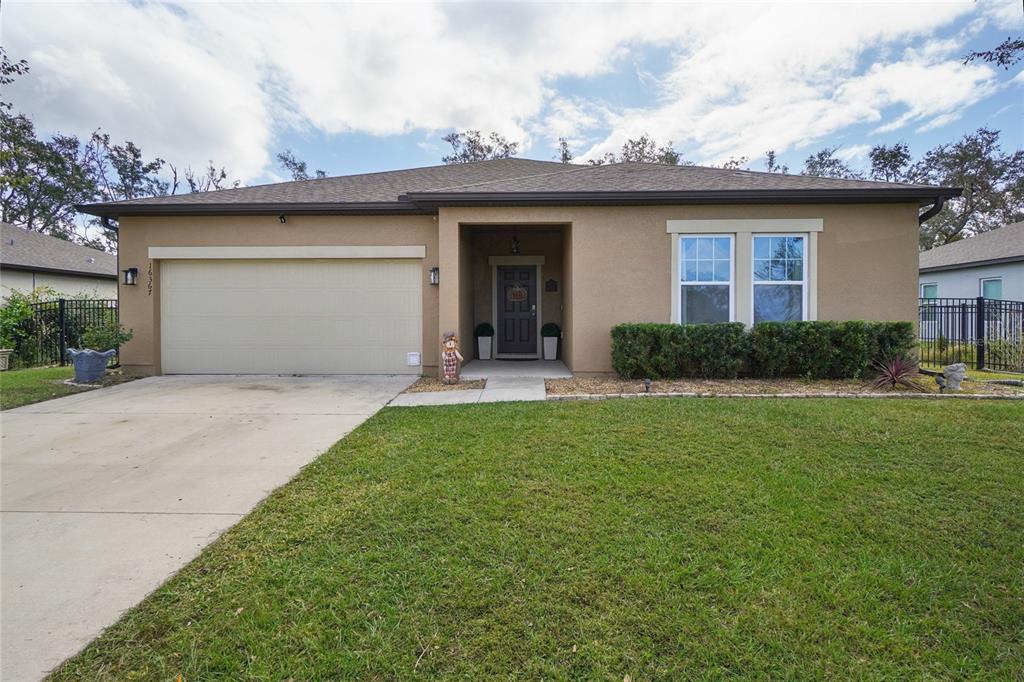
[(511, 277)]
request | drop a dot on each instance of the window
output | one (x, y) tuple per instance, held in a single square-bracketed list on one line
[(780, 278), (705, 274), (929, 291), (992, 287)]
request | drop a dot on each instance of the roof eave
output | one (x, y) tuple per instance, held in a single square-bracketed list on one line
[(625, 198), (972, 264), (57, 271), (118, 210)]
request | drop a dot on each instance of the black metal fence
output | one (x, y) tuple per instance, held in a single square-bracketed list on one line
[(984, 333), (59, 325)]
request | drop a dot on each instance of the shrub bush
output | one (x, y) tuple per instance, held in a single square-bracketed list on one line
[(106, 335), (815, 350)]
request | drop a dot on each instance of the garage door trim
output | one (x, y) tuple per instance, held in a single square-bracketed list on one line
[(284, 252)]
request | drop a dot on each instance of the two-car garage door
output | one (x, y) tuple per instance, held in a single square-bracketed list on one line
[(359, 316)]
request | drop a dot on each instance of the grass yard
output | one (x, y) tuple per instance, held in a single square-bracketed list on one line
[(660, 539), (26, 386)]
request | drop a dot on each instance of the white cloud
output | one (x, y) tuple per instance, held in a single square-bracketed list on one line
[(224, 81)]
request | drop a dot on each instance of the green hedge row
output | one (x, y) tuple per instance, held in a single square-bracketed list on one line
[(817, 350)]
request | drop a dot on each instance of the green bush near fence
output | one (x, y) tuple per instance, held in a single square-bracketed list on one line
[(816, 350)]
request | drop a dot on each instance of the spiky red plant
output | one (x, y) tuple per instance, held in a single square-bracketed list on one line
[(897, 371)]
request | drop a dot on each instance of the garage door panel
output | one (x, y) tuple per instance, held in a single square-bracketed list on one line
[(290, 317)]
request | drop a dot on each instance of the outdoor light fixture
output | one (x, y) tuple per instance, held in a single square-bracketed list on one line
[(435, 275), (282, 219), (130, 277), (515, 245)]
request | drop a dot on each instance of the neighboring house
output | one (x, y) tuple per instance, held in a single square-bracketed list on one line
[(29, 260), (336, 275), (990, 264)]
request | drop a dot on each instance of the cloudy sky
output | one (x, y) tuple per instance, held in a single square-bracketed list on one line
[(361, 87)]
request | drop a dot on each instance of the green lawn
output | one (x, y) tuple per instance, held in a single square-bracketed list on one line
[(23, 386), (660, 539)]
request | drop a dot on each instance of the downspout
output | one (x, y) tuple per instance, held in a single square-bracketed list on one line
[(933, 211)]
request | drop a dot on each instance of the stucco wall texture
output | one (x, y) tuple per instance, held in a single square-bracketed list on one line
[(615, 264)]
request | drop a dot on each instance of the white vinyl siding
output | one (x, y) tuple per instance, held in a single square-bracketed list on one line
[(290, 316)]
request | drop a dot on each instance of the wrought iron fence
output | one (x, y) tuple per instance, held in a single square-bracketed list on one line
[(983, 333), (58, 325)]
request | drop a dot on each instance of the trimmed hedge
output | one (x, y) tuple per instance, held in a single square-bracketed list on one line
[(816, 350)]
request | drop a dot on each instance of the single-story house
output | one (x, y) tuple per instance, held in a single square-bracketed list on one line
[(990, 264), (364, 273), (30, 259)]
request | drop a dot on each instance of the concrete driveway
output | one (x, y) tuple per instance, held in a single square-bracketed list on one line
[(106, 494)]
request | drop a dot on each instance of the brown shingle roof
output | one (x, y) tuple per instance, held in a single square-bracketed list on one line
[(420, 190), (1001, 245), (34, 251)]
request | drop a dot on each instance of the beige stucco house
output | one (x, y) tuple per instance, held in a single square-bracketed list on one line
[(363, 273), (30, 260)]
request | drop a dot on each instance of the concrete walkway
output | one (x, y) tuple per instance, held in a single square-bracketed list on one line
[(507, 380), (105, 494), (497, 390)]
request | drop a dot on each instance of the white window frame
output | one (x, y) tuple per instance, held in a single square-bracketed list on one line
[(804, 271), (928, 284), (981, 286), (678, 317)]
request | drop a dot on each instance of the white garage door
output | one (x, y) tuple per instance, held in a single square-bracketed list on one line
[(290, 316)]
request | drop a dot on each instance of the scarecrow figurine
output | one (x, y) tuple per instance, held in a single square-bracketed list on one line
[(450, 358)]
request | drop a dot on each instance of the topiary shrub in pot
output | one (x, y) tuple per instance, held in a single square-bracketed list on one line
[(550, 332), (90, 362), (484, 333)]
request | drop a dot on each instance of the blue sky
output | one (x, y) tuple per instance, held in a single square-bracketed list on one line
[(358, 88)]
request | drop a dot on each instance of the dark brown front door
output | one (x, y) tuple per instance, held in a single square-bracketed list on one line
[(517, 309)]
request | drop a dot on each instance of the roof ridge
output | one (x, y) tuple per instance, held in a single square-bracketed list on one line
[(573, 169)]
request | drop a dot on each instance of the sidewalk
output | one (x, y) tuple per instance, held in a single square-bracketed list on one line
[(498, 389)]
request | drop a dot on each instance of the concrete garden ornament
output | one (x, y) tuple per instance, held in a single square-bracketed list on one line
[(954, 374), (451, 358)]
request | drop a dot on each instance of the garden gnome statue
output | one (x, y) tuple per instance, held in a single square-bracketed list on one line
[(451, 358), (954, 374)]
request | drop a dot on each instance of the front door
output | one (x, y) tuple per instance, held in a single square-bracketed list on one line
[(517, 309)]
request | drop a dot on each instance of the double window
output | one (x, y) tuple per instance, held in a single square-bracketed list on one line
[(780, 279), (707, 278)]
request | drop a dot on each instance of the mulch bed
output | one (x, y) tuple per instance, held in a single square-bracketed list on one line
[(614, 386), (433, 384)]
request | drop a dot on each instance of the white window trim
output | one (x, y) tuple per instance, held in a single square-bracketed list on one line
[(805, 287), (677, 274), (981, 284), (928, 284)]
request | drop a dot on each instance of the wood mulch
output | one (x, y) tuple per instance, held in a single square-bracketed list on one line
[(611, 386), (433, 384)]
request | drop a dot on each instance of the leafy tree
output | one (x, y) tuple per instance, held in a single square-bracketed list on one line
[(824, 164), (992, 182), (564, 153), (643, 149), (889, 163), (1005, 54), (210, 179), (472, 146), (297, 167), (771, 163), (735, 163)]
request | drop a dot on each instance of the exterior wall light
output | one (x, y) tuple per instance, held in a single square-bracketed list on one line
[(435, 275), (130, 277), (282, 219), (515, 245)]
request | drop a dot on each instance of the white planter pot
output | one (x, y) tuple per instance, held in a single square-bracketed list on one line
[(483, 347), (550, 347)]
